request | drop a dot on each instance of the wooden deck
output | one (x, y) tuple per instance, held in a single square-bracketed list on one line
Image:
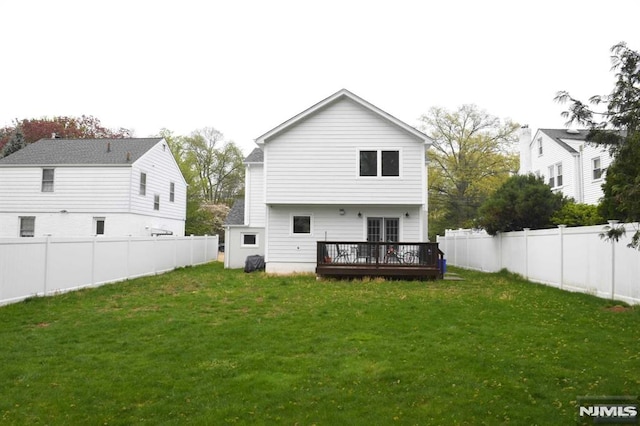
[(390, 260)]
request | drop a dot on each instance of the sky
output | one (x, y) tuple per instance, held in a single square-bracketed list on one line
[(244, 67)]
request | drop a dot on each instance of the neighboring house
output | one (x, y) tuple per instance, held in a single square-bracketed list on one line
[(81, 187), (342, 170), (566, 162)]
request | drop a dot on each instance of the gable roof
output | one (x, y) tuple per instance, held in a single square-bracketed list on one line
[(81, 152), (236, 214), (558, 134), (256, 156), (341, 94)]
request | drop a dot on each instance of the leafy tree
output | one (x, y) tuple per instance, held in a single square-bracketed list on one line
[(85, 126), (472, 156), (523, 201), (617, 127), (218, 165), (577, 214), (214, 172), (16, 142)]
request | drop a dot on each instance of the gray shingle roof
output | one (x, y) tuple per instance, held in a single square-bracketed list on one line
[(256, 156), (81, 151), (559, 134), (236, 214)]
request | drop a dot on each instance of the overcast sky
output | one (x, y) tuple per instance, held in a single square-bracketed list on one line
[(244, 67)]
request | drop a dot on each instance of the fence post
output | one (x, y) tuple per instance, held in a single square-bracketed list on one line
[(526, 253), (561, 233), (93, 260), (206, 246), (191, 251), (47, 246), (612, 224)]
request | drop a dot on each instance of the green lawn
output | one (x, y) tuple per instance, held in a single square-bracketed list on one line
[(206, 345)]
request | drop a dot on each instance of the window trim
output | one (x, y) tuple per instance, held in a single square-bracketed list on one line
[(172, 192), (292, 225), (255, 234), (540, 150), (379, 163), (156, 202), (22, 229), (142, 190), (47, 185), (556, 176), (600, 169)]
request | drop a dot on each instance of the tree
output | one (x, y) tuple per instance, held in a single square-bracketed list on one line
[(16, 142), (577, 214), (472, 156), (213, 170), (617, 127), (85, 126), (523, 201), (217, 164)]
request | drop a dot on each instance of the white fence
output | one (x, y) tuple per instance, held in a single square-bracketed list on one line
[(50, 265), (574, 259)]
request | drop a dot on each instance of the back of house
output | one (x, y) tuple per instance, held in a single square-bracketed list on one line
[(341, 170)]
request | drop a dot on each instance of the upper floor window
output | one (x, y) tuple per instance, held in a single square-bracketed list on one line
[(143, 184), (156, 202), (27, 226), (302, 224), (555, 175), (379, 163), (47, 180), (172, 192), (597, 168), (539, 146)]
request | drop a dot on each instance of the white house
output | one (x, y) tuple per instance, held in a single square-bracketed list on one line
[(82, 187), (566, 162), (342, 169)]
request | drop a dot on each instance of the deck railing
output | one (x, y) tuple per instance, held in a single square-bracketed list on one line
[(399, 258)]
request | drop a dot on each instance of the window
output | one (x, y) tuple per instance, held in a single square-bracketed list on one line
[(559, 174), (390, 163), (379, 163), (156, 202), (143, 184), (368, 163), (98, 225), (302, 224), (539, 146), (27, 226), (47, 180), (555, 175), (597, 168), (172, 192), (249, 240)]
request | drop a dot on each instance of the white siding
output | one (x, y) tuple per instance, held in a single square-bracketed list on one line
[(316, 161), (285, 249), (235, 253), (161, 169), (553, 154), (82, 224), (254, 195), (76, 189), (593, 187)]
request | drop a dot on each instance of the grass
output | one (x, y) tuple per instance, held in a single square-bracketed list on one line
[(206, 345)]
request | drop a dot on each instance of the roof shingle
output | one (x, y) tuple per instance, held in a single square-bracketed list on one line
[(81, 152)]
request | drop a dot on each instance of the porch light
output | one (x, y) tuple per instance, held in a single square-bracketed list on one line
[(406, 214), (359, 214), (341, 212)]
